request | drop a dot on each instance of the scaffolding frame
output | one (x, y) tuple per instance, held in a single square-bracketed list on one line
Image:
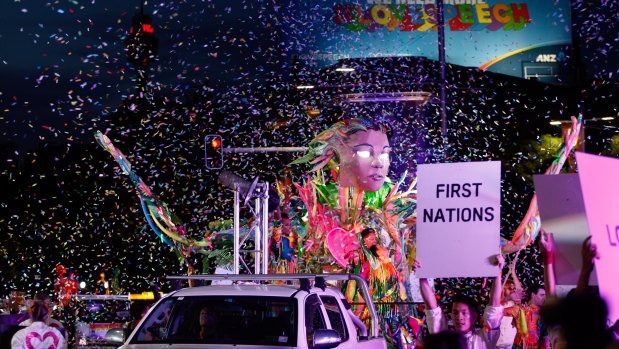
[(258, 195)]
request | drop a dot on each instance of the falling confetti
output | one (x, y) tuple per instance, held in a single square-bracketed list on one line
[(231, 68)]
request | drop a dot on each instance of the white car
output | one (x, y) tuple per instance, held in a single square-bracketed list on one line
[(257, 316)]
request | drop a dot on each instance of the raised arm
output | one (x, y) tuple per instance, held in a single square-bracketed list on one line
[(493, 314), (547, 245), (435, 319), (427, 293), (514, 276), (497, 285), (589, 255)]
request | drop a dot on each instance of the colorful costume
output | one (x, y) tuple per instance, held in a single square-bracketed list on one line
[(336, 216), (64, 287), (330, 242), (49, 322), (508, 330), (531, 331), (343, 198)]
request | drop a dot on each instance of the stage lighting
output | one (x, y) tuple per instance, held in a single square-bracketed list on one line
[(213, 152), (248, 189)]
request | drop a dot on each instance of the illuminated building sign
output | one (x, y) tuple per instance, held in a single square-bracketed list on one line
[(422, 18), (477, 33)]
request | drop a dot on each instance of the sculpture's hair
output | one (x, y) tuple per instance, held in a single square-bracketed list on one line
[(324, 147)]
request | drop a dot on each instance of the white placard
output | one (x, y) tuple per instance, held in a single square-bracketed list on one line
[(600, 191), (458, 219), (562, 212)]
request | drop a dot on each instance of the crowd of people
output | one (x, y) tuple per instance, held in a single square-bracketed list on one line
[(541, 320)]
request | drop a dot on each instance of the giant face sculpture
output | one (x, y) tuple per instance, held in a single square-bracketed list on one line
[(364, 160)]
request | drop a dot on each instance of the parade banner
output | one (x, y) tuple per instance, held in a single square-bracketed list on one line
[(458, 219), (562, 212), (600, 191), (494, 35)]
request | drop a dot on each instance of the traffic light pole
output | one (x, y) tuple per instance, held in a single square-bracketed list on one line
[(214, 151), (265, 150)]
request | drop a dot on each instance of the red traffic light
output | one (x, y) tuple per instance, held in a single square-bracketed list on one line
[(141, 44), (147, 28), (215, 143), (213, 152)]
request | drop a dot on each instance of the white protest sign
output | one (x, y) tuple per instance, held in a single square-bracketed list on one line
[(562, 212), (458, 219), (600, 191)]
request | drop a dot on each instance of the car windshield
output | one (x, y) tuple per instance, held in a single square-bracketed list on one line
[(248, 320)]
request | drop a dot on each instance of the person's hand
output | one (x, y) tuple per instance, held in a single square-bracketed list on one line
[(589, 255), (382, 252), (615, 328), (512, 267), (416, 264), (498, 260), (546, 241)]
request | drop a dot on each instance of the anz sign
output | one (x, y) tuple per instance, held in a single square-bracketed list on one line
[(550, 58)]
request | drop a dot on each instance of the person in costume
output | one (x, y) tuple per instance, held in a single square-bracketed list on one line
[(511, 295), (64, 286), (532, 333), (372, 263), (73, 285), (61, 281), (348, 192), (102, 286)]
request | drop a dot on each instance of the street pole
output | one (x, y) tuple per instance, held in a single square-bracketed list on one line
[(441, 60)]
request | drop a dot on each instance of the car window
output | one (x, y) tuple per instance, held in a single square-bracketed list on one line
[(240, 320), (156, 327), (314, 319), (334, 312)]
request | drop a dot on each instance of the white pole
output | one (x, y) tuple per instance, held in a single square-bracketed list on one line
[(237, 232), (265, 228)]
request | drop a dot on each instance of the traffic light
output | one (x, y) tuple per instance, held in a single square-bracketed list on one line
[(141, 44), (213, 152)]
